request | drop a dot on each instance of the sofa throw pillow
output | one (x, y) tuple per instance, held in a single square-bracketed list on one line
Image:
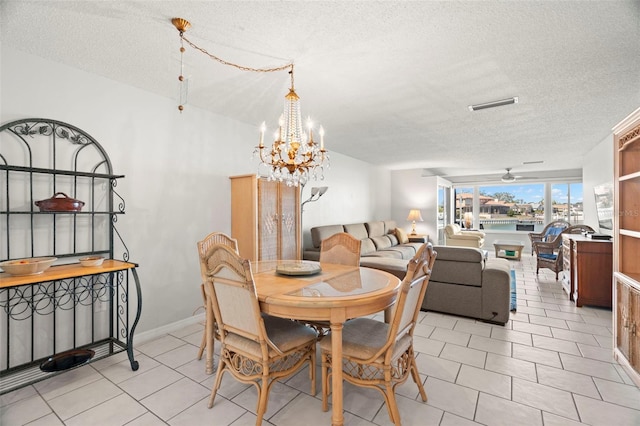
[(402, 236)]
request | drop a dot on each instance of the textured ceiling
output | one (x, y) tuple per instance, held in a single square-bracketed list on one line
[(389, 81)]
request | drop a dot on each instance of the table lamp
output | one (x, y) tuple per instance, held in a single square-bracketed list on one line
[(414, 214)]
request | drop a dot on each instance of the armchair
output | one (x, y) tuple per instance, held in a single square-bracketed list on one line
[(549, 253), (550, 231), (455, 236)]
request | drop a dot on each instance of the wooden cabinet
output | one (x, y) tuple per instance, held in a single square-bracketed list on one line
[(626, 228), (587, 270), (265, 218), (628, 321)]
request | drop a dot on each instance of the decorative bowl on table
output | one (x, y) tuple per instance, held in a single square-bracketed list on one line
[(29, 266), (298, 268), (91, 261)]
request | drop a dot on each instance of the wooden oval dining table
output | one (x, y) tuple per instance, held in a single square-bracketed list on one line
[(334, 294)]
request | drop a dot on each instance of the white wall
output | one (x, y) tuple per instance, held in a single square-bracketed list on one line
[(598, 169), (410, 190), (176, 169), (358, 192)]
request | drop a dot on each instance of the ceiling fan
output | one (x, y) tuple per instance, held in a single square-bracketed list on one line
[(508, 177)]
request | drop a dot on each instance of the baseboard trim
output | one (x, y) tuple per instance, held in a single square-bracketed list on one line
[(147, 336)]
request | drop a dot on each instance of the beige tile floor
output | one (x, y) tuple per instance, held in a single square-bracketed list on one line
[(550, 365)]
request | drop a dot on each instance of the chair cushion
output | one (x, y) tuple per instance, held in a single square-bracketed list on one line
[(363, 337), (548, 256), (287, 334), (284, 333), (552, 233)]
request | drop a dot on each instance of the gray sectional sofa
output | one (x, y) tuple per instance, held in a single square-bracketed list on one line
[(463, 281), (380, 248)]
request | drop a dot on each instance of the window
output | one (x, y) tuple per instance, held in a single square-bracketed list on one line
[(567, 202), (444, 194), (464, 207), (520, 207), (511, 207)]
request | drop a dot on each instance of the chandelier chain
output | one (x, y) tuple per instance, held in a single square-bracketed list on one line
[(240, 67), (294, 157)]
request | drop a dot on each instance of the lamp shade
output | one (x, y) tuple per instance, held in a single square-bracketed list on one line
[(414, 215)]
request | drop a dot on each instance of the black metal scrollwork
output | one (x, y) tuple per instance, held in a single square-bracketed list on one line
[(47, 129), (22, 302), (121, 203)]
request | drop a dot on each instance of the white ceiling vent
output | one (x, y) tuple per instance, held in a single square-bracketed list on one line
[(494, 104)]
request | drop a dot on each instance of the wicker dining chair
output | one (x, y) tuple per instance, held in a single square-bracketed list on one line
[(340, 248), (255, 348), (549, 253), (380, 355), (210, 332)]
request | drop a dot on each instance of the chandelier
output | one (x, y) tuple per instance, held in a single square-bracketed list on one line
[(294, 157)]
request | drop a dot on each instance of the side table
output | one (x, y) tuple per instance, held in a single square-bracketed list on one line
[(508, 249), (418, 238)]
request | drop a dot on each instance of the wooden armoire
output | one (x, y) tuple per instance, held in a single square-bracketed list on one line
[(265, 218)]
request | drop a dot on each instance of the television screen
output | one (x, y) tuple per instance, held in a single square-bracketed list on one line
[(604, 205)]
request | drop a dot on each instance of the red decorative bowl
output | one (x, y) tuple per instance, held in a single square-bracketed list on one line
[(60, 202)]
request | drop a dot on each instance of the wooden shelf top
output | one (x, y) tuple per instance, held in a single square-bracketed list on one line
[(61, 272), (581, 238)]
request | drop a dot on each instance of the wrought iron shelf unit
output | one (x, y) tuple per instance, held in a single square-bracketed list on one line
[(53, 213), (68, 307), (59, 172)]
